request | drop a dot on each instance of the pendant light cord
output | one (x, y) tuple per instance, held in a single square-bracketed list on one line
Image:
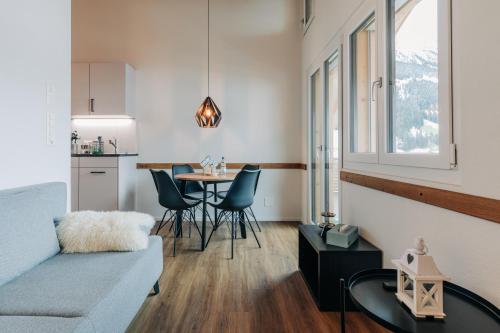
[(208, 47)]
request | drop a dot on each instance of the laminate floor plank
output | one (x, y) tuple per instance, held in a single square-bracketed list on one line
[(260, 290)]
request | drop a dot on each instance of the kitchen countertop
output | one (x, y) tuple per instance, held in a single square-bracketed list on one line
[(104, 155)]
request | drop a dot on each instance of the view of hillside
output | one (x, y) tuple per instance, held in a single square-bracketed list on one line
[(415, 103)]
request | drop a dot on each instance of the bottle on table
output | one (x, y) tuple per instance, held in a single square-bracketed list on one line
[(223, 166)]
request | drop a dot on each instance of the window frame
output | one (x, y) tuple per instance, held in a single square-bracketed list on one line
[(445, 159), (312, 107), (334, 52), (358, 20), (334, 46)]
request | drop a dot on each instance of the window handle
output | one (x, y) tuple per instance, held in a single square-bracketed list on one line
[(376, 83)]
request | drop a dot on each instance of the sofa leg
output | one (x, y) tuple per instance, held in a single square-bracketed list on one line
[(156, 288)]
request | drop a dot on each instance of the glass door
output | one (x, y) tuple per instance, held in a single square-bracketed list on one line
[(332, 129), (325, 133), (316, 148)]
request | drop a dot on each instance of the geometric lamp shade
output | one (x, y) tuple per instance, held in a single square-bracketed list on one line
[(208, 114)]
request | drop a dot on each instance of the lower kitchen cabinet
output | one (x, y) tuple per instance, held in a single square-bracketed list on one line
[(74, 183), (104, 183), (98, 189)]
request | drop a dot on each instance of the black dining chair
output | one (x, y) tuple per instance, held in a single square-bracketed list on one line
[(189, 189), (171, 199), (239, 197), (222, 194)]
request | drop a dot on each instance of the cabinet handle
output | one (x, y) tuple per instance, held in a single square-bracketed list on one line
[(92, 105), (97, 172)]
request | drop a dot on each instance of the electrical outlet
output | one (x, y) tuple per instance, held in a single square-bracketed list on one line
[(268, 201)]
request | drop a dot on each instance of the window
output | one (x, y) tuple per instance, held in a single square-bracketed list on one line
[(324, 131), (317, 188), (418, 93), (413, 77), (363, 113), (399, 84), (331, 130)]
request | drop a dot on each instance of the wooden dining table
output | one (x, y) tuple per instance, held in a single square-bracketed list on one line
[(208, 180)]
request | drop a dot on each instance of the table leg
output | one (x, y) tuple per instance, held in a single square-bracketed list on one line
[(243, 229), (215, 200), (204, 219)]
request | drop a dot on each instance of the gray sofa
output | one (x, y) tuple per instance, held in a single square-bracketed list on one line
[(43, 290)]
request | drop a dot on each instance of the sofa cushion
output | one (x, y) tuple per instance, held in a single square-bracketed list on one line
[(107, 287), (28, 324), (27, 232)]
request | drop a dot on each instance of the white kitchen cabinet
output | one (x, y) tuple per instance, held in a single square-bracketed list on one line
[(98, 189), (106, 183), (80, 82), (103, 89), (74, 183)]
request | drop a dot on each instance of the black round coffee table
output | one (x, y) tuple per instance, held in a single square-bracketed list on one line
[(465, 311)]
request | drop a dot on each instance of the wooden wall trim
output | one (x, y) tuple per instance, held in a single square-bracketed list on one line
[(485, 208), (168, 165)]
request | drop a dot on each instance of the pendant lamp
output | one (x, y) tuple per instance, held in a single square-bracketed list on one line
[(208, 114)]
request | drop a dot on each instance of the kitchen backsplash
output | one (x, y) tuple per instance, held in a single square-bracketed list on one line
[(124, 130)]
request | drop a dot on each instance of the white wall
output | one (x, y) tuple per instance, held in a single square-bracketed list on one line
[(35, 39), (464, 247), (255, 80)]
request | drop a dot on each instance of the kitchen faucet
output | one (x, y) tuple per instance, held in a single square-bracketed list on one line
[(113, 143)]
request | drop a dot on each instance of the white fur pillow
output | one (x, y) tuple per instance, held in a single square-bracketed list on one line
[(89, 231)]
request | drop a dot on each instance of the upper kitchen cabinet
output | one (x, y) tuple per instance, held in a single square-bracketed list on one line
[(80, 95), (102, 89)]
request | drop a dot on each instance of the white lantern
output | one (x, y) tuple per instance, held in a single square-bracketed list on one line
[(419, 282)]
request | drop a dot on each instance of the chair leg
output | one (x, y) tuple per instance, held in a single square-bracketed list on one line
[(156, 288), (171, 220), (160, 224), (254, 218), (175, 232), (208, 215), (216, 225), (251, 228), (191, 213), (196, 225), (209, 218), (235, 229), (232, 235)]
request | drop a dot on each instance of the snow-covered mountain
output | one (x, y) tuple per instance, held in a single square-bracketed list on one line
[(416, 101)]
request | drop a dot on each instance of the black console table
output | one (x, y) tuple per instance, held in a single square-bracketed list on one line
[(323, 265), (465, 311)]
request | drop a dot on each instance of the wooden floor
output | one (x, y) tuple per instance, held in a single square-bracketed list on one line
[(261, 290)]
